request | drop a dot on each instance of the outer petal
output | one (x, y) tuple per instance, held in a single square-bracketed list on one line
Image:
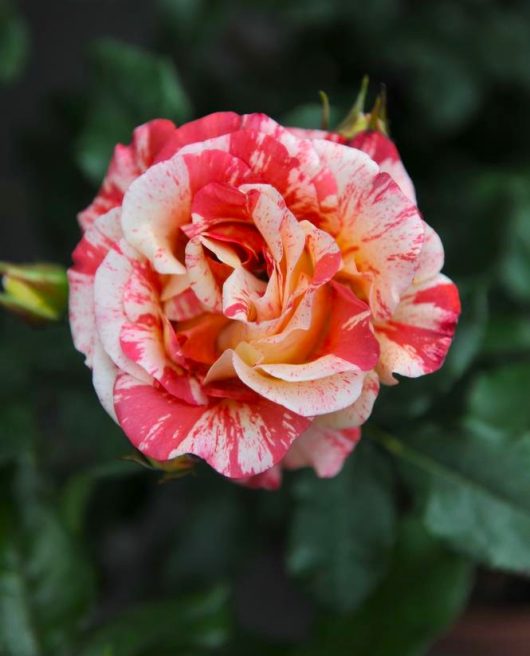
[(431, 258), (416, 340), (379, 228), (109, 288), (326, 443), (128, 162), (237, 439), (104, 373), (271, 479), (357, 413), (81, 312), (384, 152), (102, 236), (324, 449)]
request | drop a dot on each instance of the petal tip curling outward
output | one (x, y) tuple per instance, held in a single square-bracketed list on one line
[(417, 338), (237, 439), (327, 442)]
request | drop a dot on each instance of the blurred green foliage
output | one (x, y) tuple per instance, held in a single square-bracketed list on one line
[(14, 42), (95, 557)]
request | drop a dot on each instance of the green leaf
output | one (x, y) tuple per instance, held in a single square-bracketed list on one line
[(131, 86), (343, 529), (507, 334), (17, 429), (199, 623), (79, 488), (17, 637), (46, 584), (499, 398), (195, 556), (14, 44), (473, 490), (515, 267), (432, 584)]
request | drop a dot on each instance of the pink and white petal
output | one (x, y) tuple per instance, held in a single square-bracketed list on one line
[(416, 340), (127, 163), (324, 366), (141, 293), (237, 439), (350, 169), (357, 413), (284, 162), (269, 305), (98, 239), (155, 421), (240, 290), (154, 208), (104, 373), (384, 152), (431, 259), (173, 286), (378, 224), (307, 398), (201, 278), (183, 306), (387, 231), (214, 203), (291, 337), (271, 479), (349, 330), (267, 209), (324, 252), (203, 129), (143, 343), (243, 439), (259, 122), (324, 449), (109, 289), (81, 312), (102, 236), (207, 165), (224, 253)]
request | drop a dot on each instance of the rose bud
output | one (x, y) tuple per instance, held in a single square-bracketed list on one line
[(36, 292)]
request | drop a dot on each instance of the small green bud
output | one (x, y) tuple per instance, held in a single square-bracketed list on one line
[(36, 292)]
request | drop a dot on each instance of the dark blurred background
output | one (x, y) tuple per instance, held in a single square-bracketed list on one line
[(76, 77)]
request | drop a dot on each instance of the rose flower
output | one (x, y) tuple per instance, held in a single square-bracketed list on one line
[(240, 289)]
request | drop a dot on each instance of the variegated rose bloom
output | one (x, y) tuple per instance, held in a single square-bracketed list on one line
[(240, 289)]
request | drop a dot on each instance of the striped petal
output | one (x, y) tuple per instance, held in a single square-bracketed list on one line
[(431, 259), (109, 288), (379, 228), (416, 340), (324, 449), (237, 439), (104, 374), (357, 413), (88, 255), (306, 398), (128, 162), (384, 152)]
